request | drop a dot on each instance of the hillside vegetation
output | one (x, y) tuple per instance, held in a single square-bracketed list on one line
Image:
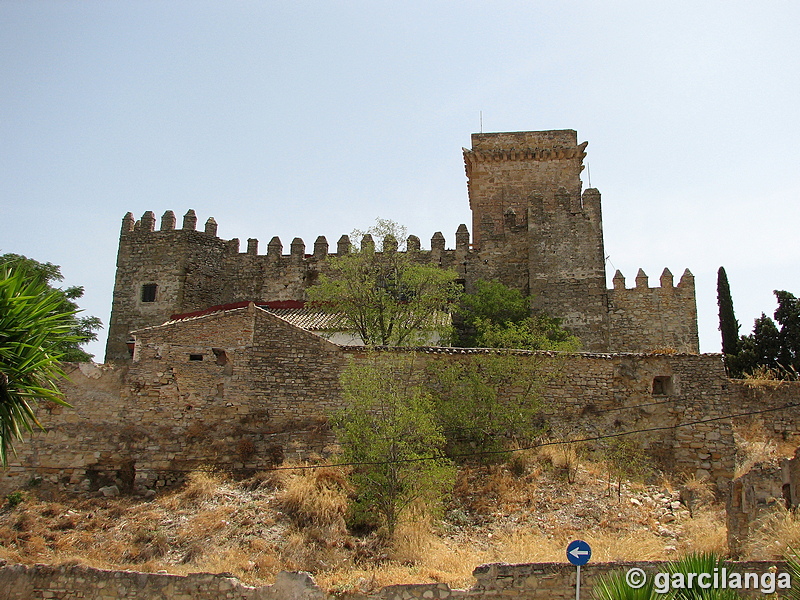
[(521, 511)]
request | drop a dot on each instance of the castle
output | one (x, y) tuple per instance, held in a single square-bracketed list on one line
[(216, 381), (222, 374), (534, 229)]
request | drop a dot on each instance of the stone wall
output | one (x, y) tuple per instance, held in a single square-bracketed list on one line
[(499, 581), (242, 390), (775, 404), (644, 318), (43, 582), (195, 270)]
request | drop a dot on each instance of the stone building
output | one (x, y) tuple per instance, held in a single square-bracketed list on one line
[(534, 229)]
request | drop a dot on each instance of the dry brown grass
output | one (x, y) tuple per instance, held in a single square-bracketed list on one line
[(696, 492), (564, 455), (315, 498), (763, 376), (517, 512), (754, 445), (774, 534), (706, 532)]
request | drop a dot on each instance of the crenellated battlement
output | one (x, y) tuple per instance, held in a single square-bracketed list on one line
[(146, 225), (644, 318), (534, 228), (666, 281), (166, 271)]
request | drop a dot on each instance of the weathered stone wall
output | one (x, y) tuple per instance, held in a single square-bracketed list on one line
[(43, 582), (196, 270), (260, 394), (776, 405), (644, 318), (680, 402), (532, 581), (243, 389)]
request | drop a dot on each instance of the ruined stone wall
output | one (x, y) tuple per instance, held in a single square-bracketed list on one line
[(644, 318), (243, 389), (77, 438), (260, 394), (680, 401), (775, 404), (43, 582), (531, 581)]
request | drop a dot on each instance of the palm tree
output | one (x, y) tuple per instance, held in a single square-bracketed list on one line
[(32, 325)]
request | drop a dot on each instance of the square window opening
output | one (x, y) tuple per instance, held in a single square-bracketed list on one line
[(149, 292), (662, 385)]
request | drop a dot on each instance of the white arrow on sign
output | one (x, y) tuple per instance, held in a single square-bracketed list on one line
[(577, 553)]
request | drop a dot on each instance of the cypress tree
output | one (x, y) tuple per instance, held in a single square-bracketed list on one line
[(728, 325)]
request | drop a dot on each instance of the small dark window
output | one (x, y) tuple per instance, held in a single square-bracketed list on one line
[(662, 385), (149, 292), (195, 357)]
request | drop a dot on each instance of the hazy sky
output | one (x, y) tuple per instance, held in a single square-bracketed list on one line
[(314, 118)]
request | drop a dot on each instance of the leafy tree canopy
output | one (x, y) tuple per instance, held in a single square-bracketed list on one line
[(387, 296), (770, 347), (497, 316), (82, 329), (35, 328), (487, 403), (389, 431)]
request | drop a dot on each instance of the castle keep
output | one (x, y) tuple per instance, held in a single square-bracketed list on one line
[(533, 228)]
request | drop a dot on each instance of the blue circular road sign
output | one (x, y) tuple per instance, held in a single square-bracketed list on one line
[(579, 553)]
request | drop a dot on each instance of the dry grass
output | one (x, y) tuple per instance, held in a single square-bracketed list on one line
[(754, 445), (663, 350), (522, 511), (696, 492), (706, 532), (774, 534), (315, 498), (763, 376)]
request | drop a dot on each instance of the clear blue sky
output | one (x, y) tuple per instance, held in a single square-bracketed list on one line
[(314, 118)]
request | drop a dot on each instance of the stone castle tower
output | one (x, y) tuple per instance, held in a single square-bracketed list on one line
[(533, 229)]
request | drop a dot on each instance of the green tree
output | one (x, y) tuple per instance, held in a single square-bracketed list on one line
[(488, 402), (387, 297), (493, 301), (788, 315), (770, 347), (728, 325), (34, 330), (389, 432), (82, 329), (496, 316)]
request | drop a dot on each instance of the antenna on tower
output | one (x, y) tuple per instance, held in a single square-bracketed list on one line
[(481, 113), (589, 174)]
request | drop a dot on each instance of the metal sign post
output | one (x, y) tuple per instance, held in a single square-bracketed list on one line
[(578, 553)]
